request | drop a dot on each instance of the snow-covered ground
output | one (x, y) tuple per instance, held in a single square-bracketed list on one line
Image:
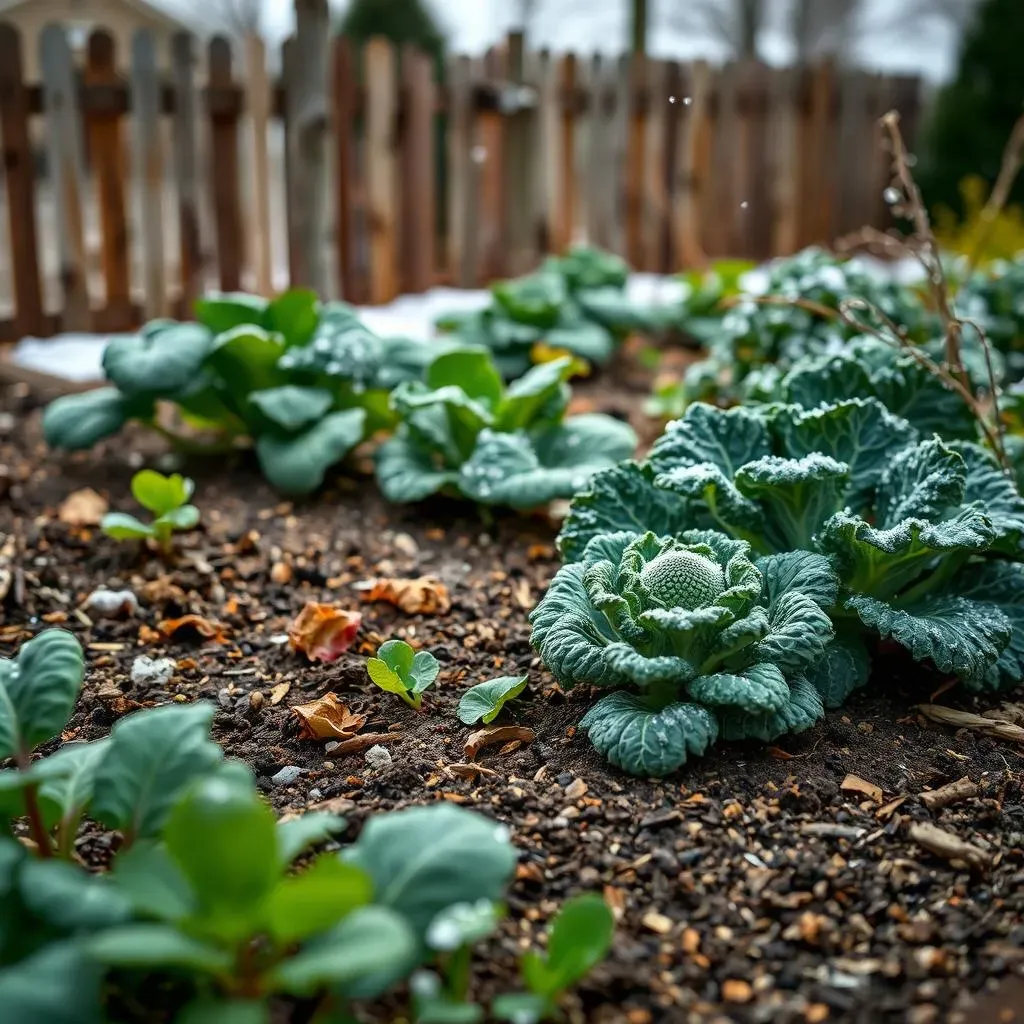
[(77, 357)]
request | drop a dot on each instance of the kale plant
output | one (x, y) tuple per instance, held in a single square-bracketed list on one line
[(463, 432), (575, 303), (924, 537), (304, 382)]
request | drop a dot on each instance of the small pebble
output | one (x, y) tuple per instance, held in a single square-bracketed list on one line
[(315, 794), (405, 545), (331, 745), (148, 671), (111, 604), (378, 757), (287, 775)]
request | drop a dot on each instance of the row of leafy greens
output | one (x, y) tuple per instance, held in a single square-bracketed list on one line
[(200, 912), (742, 578), (307, 382), (577, 303)]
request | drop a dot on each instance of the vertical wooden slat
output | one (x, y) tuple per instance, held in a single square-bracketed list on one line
[(257, 103), (693, 165), (668, 255), (147, 170), (785, 134), (719, 210), (619, 143), (19, 180), (595, 182), (634, 181), (186, 137), (855, 161), (289, 77), (382, 103), (343, 133), (515, 173), (67, 170), (581, 133), (224, 178), (654, 205), (490, 162), (306, 142), (759, 196), (418, 193), (567, 163), (108, 166), (462, 232), (544, 155), (823, 108), (742, 169)]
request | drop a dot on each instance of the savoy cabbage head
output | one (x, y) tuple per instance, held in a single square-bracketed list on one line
[(924, 536), (462, 432), (716, 642)]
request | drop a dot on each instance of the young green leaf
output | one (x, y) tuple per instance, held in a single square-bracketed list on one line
[(76, 422), (160, 494), (297, 834), (153, 754), (67, 898), (222, 311), (424, 859), (66, 780), (579, 939), (236, 865), (121, 526), (185, 517), (521, 1008), (153, 883), (484, 701), (158, 363), (157, 946), (298, 463), (235, 1011), (398, 669), (463, 924), (59, 984), (38, 690)]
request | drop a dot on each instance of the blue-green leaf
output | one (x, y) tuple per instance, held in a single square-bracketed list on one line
[(295, 835), (291, 408), (159, 363), (76, 422), (122, 526), (470, 369), (759, 688), (803, 709), (645, 740), (727, 439), (297, 464), (843, 667), (406, 471), (159, 947), (809, 573), (59, 984), (483, 702), (924, 482), (998, 583)]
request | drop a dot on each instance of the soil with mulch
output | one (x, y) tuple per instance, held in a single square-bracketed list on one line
[(755, 885)]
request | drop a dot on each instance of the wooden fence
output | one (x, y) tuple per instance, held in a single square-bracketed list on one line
[(386, 181)]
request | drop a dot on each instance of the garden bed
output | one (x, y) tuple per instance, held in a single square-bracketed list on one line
[(756, 884)]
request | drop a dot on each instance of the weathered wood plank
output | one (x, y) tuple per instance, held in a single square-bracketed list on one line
[(654, 205), (343, 80), (489, 156), (462, 206), (785, 137), (418, 193), (106, 150), (147, 171), (381, 169), (257, 103), (567, 190), (692, 166), (619, 132), (635, 160), (184, 144), (225, 182), (66, 165), (19, 180), (516, 172)]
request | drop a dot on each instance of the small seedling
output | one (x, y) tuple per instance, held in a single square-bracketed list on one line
[(398, 669), (167, 498), (483, 702), (578, 940)]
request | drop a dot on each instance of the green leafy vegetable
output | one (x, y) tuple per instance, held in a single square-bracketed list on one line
[(399, 669), (483, 702), (167, 498)]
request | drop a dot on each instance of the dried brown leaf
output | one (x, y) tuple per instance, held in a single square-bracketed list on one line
[(492, 734), (323, 631), (83, 508), (327, 718), (425, 595), (855, 784), (472, 770), (1003, 730), (194, 625), (279, 692)]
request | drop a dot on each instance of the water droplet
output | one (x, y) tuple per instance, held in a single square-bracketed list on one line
[(744, 204), (478, 154), (687, 100), (892, 195), (671, 99)]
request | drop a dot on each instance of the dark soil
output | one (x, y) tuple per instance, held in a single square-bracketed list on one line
[(752, 886)]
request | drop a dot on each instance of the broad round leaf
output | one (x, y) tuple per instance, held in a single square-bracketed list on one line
[(246, 358), (158, 946), (67, 780), (158, 364), (423, 672), (463, 924), (223, 837), (69, 899), (159, 493), (294, 315), (186, 517), (371, 940), (424, 859), (291, 408), (315, 899), (470, 369), (298, 464), (122, 526), (153, 754), (406, 471), (221, 311), (59, 984), (76, 422), (38, 690), (484, 701), (580, 937)]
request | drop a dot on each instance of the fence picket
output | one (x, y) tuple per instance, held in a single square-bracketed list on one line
[(381, 174), (66, 166), (417, 199), (227, 213), (343, 135), (257, 102), (19, 179), (185, 141), (147, 172)]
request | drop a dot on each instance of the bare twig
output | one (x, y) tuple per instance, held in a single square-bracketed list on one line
[(1008, 170)]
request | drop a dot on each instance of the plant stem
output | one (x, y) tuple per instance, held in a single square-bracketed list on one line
[(458, 973), (37, 827), (189, 447)]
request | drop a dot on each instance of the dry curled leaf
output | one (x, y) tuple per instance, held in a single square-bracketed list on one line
[(323, 632), (425, 595), (327, 718), (161, 591), (83, 508), (192, 625), (855, 784), (496, 734), (279, 692)]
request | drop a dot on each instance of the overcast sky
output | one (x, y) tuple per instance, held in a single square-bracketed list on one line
[(473, 25)]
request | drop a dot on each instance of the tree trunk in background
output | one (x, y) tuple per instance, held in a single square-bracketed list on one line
[(638, 32)]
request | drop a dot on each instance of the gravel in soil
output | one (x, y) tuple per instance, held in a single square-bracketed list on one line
[(788, 883)]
